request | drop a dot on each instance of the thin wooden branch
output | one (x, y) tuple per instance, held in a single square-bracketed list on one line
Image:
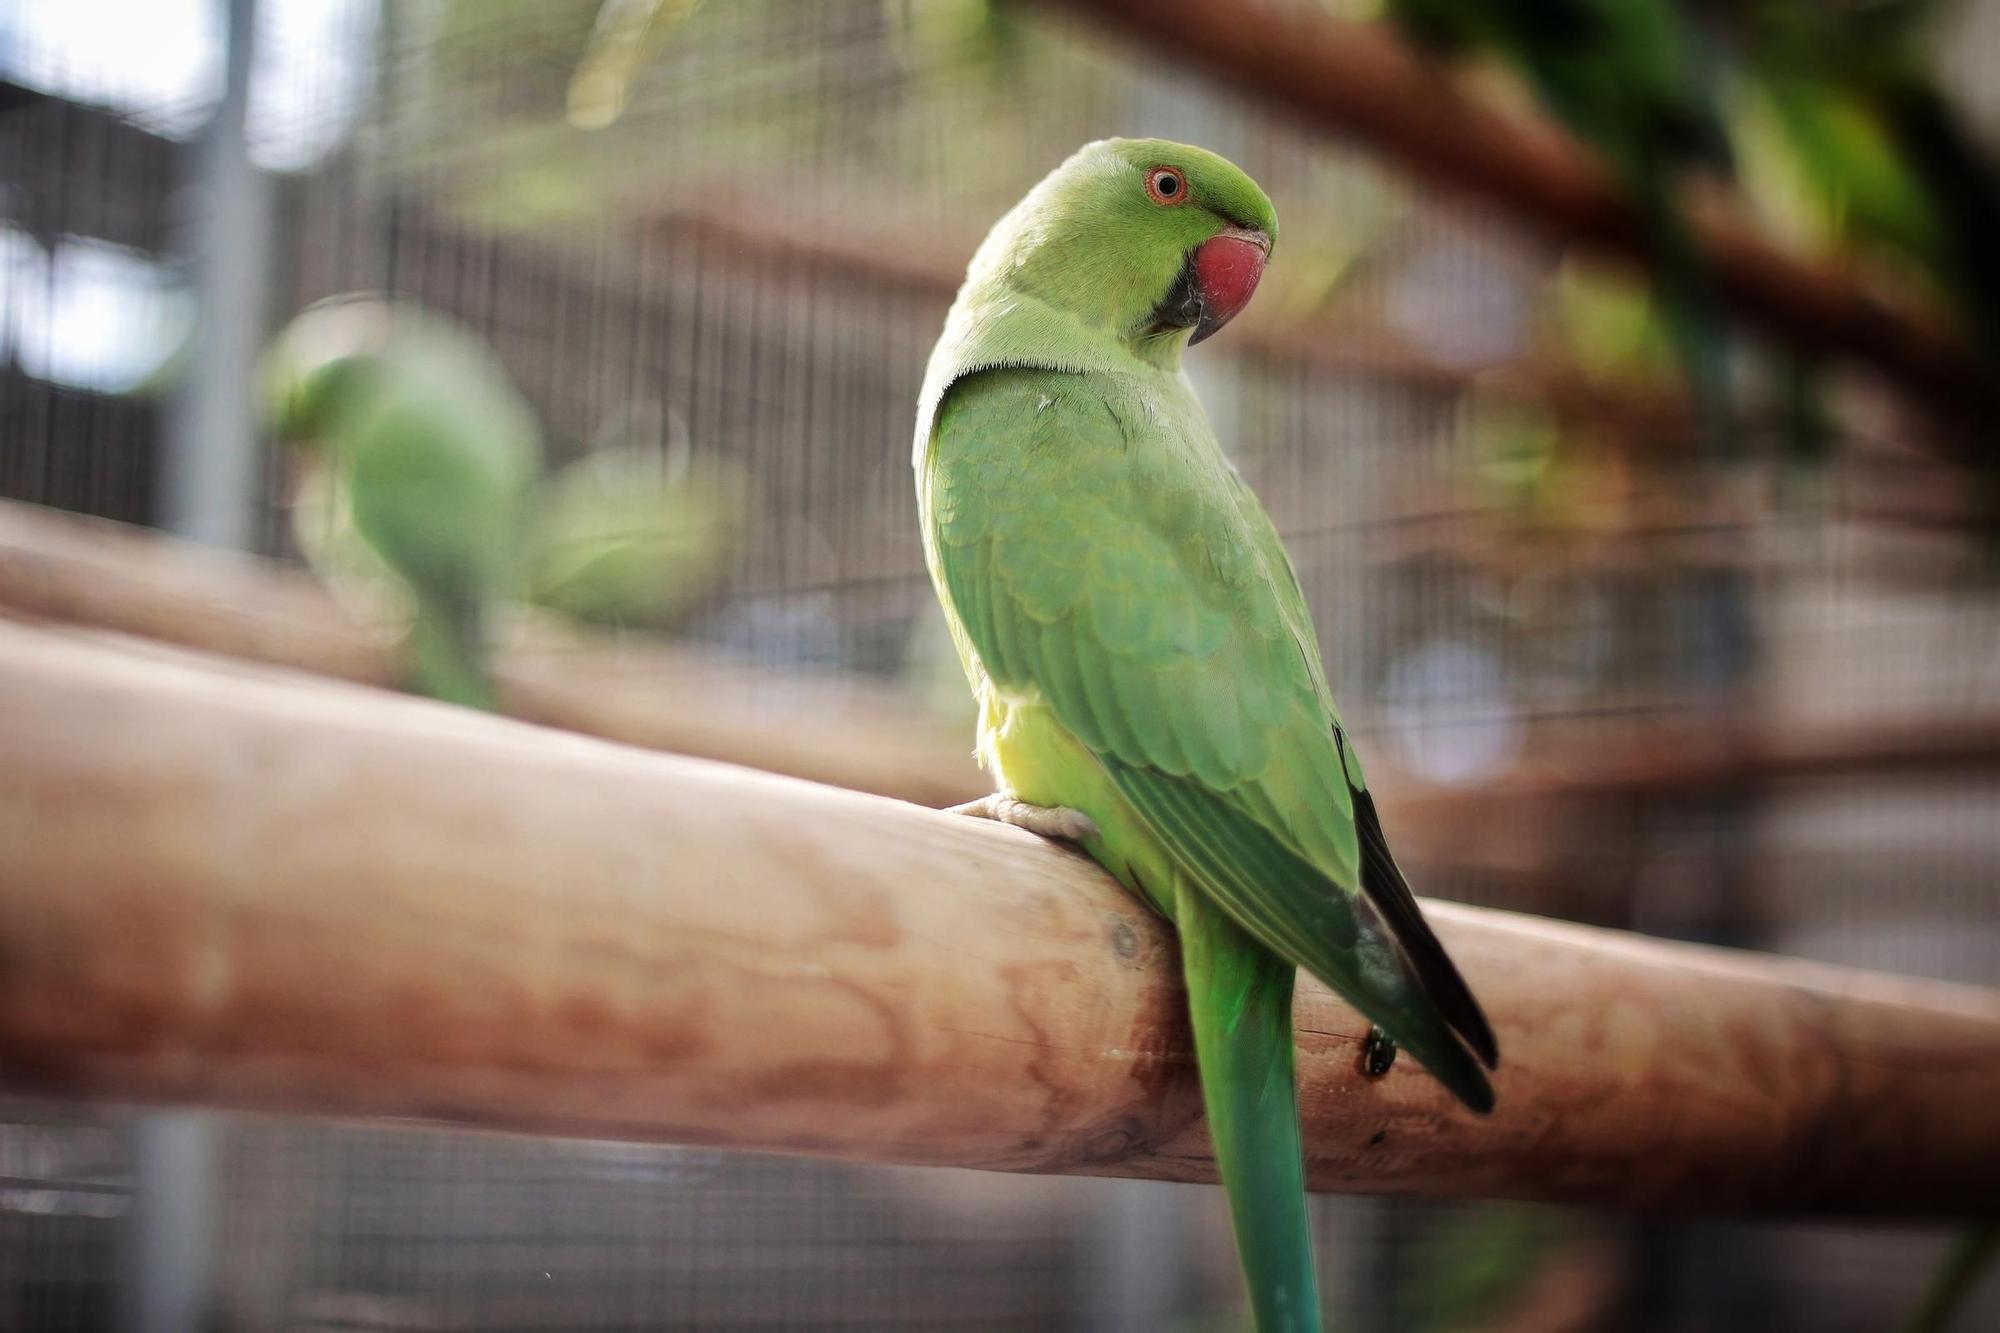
[(66, 569), (63, 568), (1518, 824), (236, 886), (1735, 752), (1361, 80), (1336, 341)]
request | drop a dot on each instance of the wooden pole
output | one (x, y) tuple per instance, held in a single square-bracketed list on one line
[(72, 570), (235, 886), (1362, 80)]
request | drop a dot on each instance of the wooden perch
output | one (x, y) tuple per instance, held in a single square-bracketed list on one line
[(1362, 80), (236, 886), (72, 570)]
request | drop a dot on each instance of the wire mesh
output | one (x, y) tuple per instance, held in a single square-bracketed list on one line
[(748, 261)]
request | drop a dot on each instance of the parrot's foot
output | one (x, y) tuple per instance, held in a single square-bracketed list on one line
[(1043, 820), (1378, 1053)]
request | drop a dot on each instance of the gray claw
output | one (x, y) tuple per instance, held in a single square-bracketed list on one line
[(1042, 820)]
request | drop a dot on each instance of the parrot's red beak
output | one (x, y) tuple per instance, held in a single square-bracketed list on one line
[(1226, 269)]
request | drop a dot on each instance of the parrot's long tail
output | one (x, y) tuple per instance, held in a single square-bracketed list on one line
[(447, 651), (1240, 998)]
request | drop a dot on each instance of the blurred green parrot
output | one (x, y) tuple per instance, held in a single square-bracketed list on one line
[(636, 538), (1627, 78), (420, 440), (1149, 681)]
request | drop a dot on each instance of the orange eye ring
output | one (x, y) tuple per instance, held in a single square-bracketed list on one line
[(1166, 186)]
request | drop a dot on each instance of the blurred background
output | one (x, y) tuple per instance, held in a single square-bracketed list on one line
[(1612, 662)]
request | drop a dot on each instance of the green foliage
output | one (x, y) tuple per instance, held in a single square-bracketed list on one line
[(1856, 130), (1607, 324), (1515, 459), (1965, 1260), (1628, 79), (1826, 111), (1474, 1265)]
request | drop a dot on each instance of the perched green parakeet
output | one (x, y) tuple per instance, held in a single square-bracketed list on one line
[(1148, 678), (430, 452)]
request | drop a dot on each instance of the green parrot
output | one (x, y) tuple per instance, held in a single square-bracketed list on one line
[(432, 455), (1148, 679)]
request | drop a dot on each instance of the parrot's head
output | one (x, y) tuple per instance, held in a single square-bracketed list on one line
[(1157, 242), (316, 363)]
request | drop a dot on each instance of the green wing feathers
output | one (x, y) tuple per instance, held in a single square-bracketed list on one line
[(1302, 916), (1100, 553)]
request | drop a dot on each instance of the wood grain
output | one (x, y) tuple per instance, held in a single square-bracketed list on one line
[(237, 886)]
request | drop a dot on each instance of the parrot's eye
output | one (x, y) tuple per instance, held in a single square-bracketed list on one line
[(1166, 185)]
